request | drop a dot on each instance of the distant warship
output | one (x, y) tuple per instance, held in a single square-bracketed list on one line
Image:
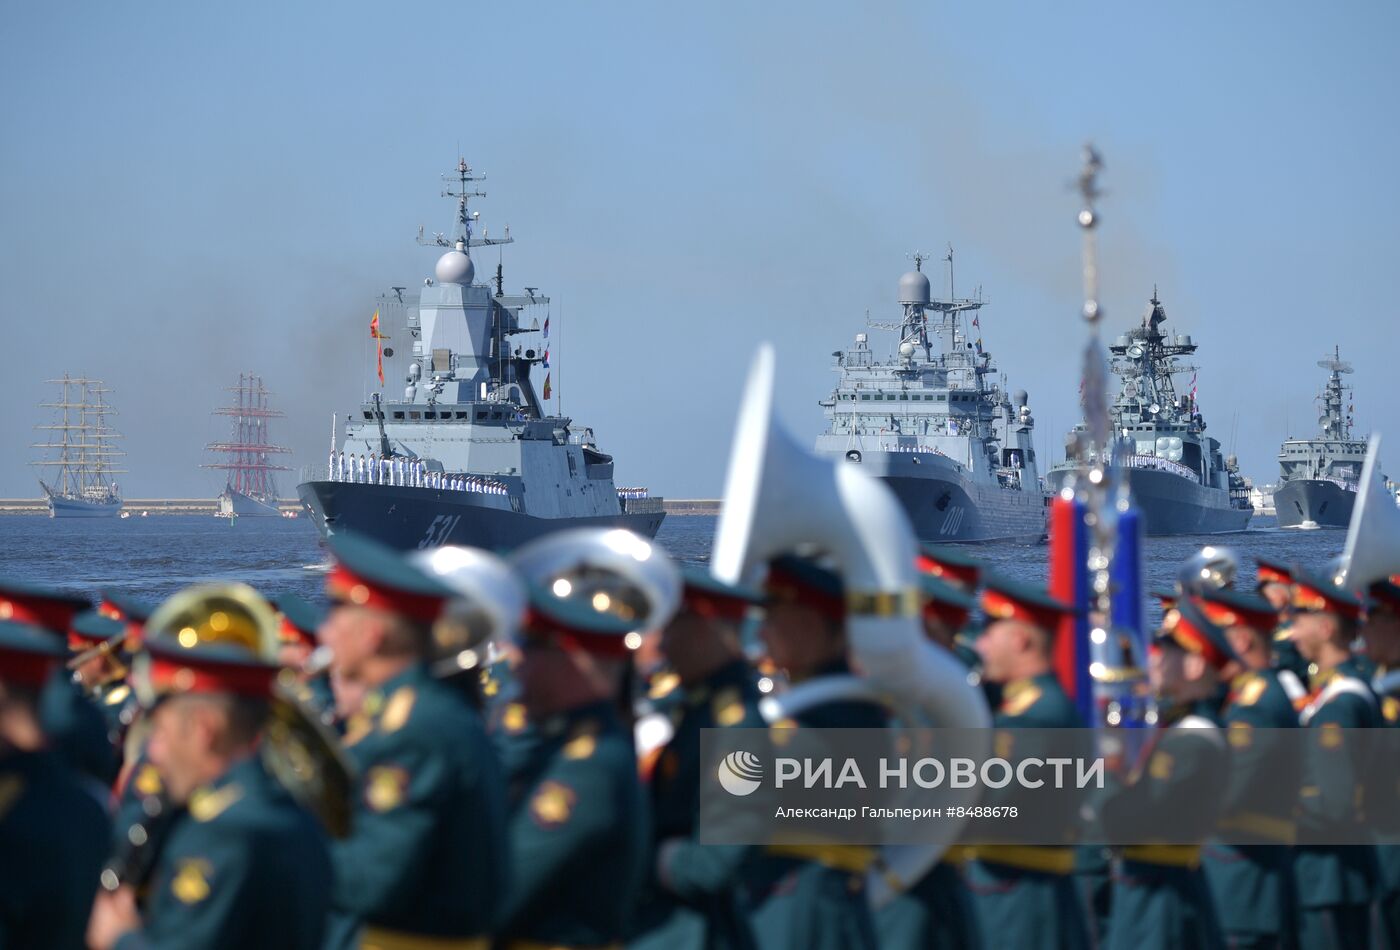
[(86, 444), (931, 422), (1177, 475), (251, 490), (1318, 477), (471, 453)]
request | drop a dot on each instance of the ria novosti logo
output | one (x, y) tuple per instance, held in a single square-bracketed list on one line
[(740, 773)]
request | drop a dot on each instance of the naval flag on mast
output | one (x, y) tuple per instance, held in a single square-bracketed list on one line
[(546, 386), (379, 339)]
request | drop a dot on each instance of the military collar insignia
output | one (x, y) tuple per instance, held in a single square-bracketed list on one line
[(513, 718), (190, 883), (552, 804), (397, 709), (663, 685), (117, 696), (206, 804), (1018, 696), (728, 707), (385, 786), (148, 781), (583, 740)]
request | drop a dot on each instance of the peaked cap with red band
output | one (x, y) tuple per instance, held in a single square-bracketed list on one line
[(298, 619), (41, 606), (576, 626), (1004, 599), (1314, 593), (801, 580), (1385, 593), (949, 566), (1271, 572), (948, 603), (131, 611), (706, 595), (205, 667), (92, 628), (1167, 598), (1194, 633), (29, 654), (367, 574), (1233, 608)]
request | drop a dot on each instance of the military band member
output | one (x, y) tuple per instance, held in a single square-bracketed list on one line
[(691, 900), (937, 911), (577, 828), (425, 856), (298, 620), (1161, 898), (53, 834), (1335, 883), (1025, 896), (811, 896), (1275, 585), (243, 865), (1381, 634), (1264, 778), (74, 724)]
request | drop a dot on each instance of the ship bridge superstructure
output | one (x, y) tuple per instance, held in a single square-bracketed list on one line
[(460, 406), (937, 392), (1334, 454)]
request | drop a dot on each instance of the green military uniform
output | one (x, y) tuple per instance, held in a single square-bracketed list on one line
[(1252, 881), (1388, 855), (1026, 896), (576, 831), (426, 848), (53, 834), (1335, 883), (814, 896), (936, 911), (694, 902), (1161, 897), (75, 727), (242, 866), (426, 851)]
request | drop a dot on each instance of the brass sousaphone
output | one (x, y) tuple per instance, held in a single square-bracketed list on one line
[(297, 748)]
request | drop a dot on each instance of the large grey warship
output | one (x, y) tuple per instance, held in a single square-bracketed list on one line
[(1318, 476), (1177, 475), (950, 443), (470, 453)]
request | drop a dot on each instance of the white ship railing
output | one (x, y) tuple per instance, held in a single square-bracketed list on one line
[(405, 473), (1161, 465)]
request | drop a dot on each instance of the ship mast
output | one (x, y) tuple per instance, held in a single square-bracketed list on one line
[(85, 449), (1335, 423), (250, 471)]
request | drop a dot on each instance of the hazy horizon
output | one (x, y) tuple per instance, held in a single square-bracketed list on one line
[(188, 195)]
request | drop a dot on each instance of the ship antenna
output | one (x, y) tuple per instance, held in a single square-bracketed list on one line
[(952, 295)]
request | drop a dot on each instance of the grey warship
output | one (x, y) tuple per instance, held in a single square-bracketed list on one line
[(470, 453), (931, 421), (1318, 476), (1177, 474)]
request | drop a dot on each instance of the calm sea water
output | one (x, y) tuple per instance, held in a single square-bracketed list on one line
[(156, 556)]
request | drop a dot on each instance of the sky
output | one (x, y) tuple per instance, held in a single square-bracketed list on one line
[(191, 191)]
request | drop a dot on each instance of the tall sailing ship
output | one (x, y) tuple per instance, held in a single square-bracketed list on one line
[(86, 448), (1177, 474), (1318, 476), (251, 490)]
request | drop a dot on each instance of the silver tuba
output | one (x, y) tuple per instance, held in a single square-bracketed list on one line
[(613, 570), (779, 498), (486, 612), (1372, 551)]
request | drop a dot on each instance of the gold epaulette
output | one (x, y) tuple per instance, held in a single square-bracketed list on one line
[(1165, 855)]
